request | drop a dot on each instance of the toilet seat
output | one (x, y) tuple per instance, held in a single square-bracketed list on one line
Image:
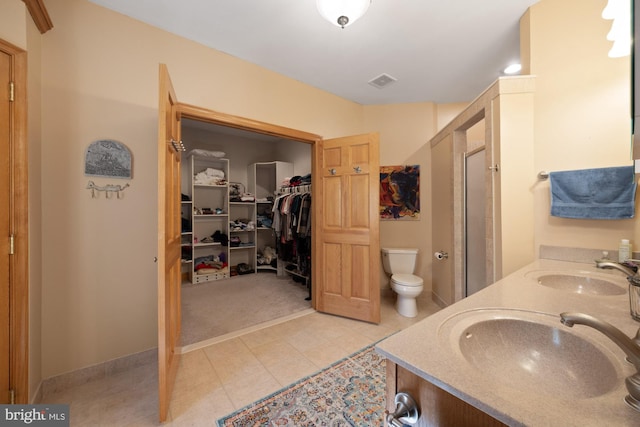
[(407, 279)]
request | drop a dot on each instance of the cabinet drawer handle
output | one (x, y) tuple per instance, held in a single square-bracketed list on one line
[(406, 411), (332, 171)]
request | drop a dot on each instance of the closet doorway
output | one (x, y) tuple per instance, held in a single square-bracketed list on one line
[(249, 287)]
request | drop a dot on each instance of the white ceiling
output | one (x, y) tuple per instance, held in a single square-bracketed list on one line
[(438, 50)]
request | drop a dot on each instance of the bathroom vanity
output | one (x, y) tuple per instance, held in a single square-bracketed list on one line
[(502, 356)]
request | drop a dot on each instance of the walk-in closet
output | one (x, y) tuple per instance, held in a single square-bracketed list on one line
[(246, 230)]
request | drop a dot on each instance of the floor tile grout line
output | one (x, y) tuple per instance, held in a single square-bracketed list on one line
[(238, 334)]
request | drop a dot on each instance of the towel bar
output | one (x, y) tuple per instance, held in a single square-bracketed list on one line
[(542, 175)]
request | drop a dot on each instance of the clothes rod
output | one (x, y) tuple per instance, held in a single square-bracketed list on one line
[(305, 188)]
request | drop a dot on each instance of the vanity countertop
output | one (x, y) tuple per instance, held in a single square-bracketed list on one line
[(425, 350)]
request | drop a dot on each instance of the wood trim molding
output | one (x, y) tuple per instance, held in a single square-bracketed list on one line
[(39, 14), (203, 114)]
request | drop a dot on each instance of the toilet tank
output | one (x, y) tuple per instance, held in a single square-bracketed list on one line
[(399, 260)]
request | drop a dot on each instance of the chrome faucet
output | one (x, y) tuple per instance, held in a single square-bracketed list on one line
[(630, 346), (607, 263), (633, 277)]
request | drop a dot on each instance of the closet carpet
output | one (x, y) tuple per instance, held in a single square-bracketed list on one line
[(213, 309)]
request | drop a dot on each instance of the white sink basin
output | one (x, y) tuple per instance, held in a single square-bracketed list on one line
[(531, 351), (580, 282)]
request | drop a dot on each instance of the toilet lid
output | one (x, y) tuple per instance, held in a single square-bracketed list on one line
[(407, 279)]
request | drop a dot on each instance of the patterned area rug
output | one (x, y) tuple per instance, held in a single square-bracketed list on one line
[(351, 392)]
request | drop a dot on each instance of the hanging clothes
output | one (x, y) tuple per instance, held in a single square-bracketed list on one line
[(292, 225)]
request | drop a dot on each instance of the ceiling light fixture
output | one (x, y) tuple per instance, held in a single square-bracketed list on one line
[(342, 12), (620, 12), (513, 69)]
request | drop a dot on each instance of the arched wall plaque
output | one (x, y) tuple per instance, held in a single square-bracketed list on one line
[(108, 158)]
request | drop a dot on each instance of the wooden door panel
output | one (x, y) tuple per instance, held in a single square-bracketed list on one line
[(347, 277), (356, 238), (359, 201), (333, 270), (332, 159), (359, 262), (333, 202), (359, 157), (169, 250), (5, 227)]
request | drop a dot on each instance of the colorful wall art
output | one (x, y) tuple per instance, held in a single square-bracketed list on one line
[(400, 192)]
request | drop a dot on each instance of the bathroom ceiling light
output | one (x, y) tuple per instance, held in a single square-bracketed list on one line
[(620, 12), (342, 12), (513, 69)]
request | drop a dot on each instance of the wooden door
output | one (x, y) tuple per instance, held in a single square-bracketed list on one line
[(169, 266), (5, 229), (346, 279), (14, 226)]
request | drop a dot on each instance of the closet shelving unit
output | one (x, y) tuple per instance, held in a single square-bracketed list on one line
[(245, 251), (264, 235), (209, 213), (186, 209), (264, 179)]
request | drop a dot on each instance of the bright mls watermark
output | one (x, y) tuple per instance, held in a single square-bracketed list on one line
[(34, 415)]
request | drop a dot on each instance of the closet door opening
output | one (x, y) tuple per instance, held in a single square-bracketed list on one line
[(242, 264)]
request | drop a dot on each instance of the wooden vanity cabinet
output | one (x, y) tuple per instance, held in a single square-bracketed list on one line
[(438, 408)]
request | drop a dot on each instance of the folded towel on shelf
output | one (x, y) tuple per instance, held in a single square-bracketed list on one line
[(603, 193)]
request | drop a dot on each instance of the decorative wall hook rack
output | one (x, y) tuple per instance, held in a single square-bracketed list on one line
[(178, 145), (108, 189)]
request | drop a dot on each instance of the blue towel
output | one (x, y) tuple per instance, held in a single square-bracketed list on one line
[(605, 193)]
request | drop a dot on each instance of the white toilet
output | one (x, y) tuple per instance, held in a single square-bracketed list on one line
[(400, 264)]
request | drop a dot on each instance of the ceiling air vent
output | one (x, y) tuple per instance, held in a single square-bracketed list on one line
[(382, 80)]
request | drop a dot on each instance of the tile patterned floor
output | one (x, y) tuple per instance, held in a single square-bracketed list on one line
[(218, 379)]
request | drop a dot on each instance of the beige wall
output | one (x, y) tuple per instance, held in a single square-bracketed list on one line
[(514, 203), (34, 49), (13, 23), (582, 117), (404, 131)]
